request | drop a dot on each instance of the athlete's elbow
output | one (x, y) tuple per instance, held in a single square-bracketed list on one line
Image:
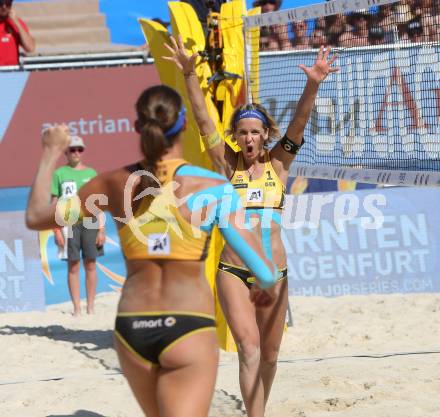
[(205, 124), (32, 220)]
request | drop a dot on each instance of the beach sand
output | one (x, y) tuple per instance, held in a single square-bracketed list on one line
[(351, 356)]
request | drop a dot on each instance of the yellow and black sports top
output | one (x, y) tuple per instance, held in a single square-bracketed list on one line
[(157, 230), (265, 192)]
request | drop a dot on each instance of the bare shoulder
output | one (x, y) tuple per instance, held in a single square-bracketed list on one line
[(192, 179), (106, 191), (107, 180)]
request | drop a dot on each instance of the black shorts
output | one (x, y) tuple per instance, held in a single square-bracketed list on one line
[(244, 275), (150, 334), (83, 242)]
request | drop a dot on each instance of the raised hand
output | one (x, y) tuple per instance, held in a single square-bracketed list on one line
[(56, 138), (322, 66), (180, 57), (13, 15)]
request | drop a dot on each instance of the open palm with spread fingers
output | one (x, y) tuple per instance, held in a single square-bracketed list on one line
[(184, 62), (322, 66)]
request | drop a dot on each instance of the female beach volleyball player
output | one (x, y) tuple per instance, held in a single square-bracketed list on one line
[(165, 330), (260, 177)]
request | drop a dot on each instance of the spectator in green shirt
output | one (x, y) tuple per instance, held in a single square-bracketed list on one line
[(80, 239)]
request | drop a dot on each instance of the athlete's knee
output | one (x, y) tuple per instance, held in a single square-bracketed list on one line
[(269, 356), (249, 351)]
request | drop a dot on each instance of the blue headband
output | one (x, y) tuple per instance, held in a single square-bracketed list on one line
[(177, 127), (251, 114)]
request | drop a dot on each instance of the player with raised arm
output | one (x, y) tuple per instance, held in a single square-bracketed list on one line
[(165, 211), (259, 175)]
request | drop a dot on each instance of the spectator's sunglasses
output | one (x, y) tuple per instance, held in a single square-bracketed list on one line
[(75, 149), (7, 3)]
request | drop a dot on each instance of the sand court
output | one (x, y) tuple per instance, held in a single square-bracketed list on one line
[(361, 356)]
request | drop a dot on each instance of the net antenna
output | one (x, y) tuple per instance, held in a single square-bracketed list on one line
[(377, 120)]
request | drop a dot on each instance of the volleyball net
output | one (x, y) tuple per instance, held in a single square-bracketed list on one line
[(377, 119)]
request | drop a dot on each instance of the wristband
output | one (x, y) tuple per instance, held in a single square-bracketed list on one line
[(289, 146), (212, 140)]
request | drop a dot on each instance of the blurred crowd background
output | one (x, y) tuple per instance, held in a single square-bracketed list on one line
[(93, 26), (405, 21)]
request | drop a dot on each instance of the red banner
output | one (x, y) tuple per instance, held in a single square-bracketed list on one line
[(97, 104)]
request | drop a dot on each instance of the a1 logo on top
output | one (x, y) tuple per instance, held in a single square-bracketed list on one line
[(254, 195), (159, 244), (68, 189)]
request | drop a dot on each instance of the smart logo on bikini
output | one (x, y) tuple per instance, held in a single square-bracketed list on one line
[(170, 321), (147, 324)]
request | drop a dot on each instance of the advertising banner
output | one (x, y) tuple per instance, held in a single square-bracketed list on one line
[(21, 282), (110, 267), (50, 271), (363, 242), (97, 104)]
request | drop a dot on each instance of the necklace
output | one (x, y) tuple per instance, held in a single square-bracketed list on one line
[(250, 174)]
